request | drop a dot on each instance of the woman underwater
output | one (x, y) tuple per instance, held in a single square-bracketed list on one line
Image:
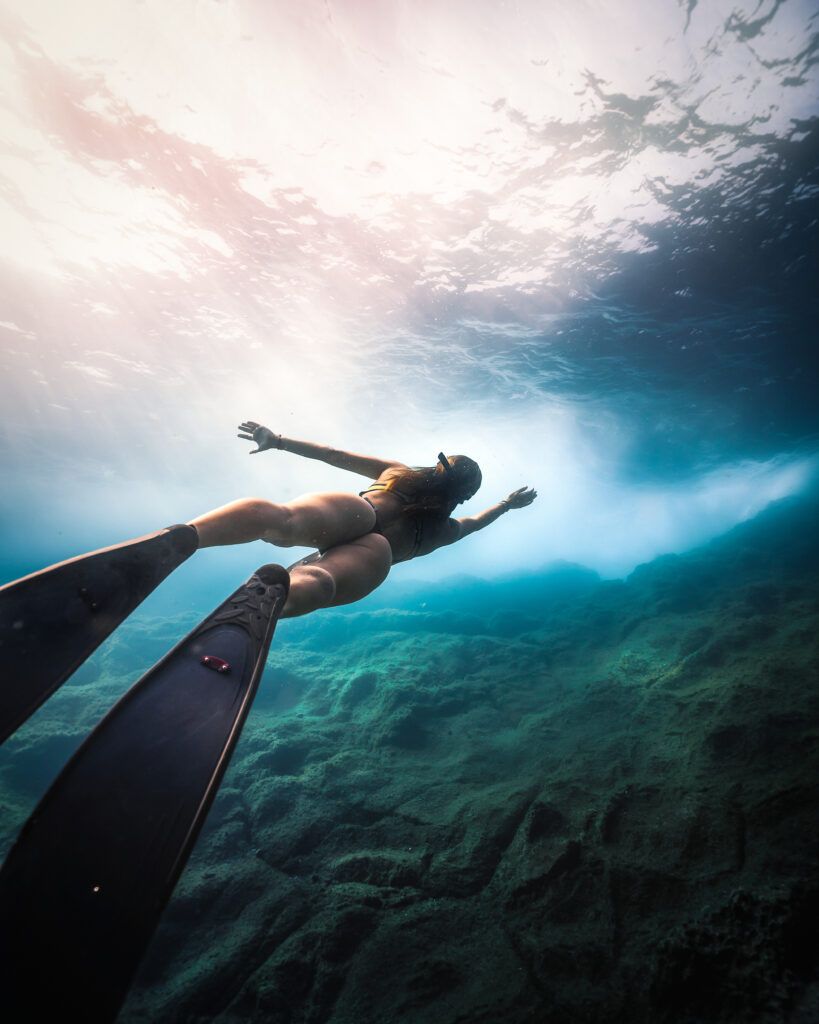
[(403, 514)]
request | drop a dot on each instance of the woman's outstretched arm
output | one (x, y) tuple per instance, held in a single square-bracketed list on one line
[(366, 465), (520, 498)]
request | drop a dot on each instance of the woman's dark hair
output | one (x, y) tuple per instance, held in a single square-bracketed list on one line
[(436, 488)]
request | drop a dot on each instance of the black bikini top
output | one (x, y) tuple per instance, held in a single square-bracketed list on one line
[(388, 486)]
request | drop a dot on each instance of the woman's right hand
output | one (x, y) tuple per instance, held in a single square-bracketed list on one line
[(522, 497), (263, 437)]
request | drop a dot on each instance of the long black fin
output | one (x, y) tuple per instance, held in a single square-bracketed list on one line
[(52, 620), (83, 887)]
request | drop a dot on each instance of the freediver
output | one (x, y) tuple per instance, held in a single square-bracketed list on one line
[(143, 780), (403, 514)]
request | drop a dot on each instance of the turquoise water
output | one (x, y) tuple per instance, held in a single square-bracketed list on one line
[(565, 769)]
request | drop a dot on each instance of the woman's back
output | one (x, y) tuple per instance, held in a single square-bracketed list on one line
[(411, 530)]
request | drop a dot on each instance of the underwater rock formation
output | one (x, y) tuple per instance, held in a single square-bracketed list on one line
[(556, 798)]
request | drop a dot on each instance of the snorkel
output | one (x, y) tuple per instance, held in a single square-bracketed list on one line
[(459, 471)]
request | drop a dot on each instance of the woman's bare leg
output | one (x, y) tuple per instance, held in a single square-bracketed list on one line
[(313, 520), (340, 576)]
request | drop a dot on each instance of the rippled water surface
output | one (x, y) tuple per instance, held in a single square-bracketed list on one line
[(575, 240)]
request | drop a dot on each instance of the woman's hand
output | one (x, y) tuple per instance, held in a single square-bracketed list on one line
[(263, 437), (520, 498)]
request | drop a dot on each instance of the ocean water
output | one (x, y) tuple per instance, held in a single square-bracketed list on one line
[(566, 769)]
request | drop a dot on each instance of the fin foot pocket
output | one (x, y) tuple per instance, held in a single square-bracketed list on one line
[(53, 620)]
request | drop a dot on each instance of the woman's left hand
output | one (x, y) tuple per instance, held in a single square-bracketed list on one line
[(263, 436), (522, 497)]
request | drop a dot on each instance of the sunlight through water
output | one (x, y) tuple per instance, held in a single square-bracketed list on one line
[(400, 227)]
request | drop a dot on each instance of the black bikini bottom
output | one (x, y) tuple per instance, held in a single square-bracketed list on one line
[(419, 529), (377, 527)]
